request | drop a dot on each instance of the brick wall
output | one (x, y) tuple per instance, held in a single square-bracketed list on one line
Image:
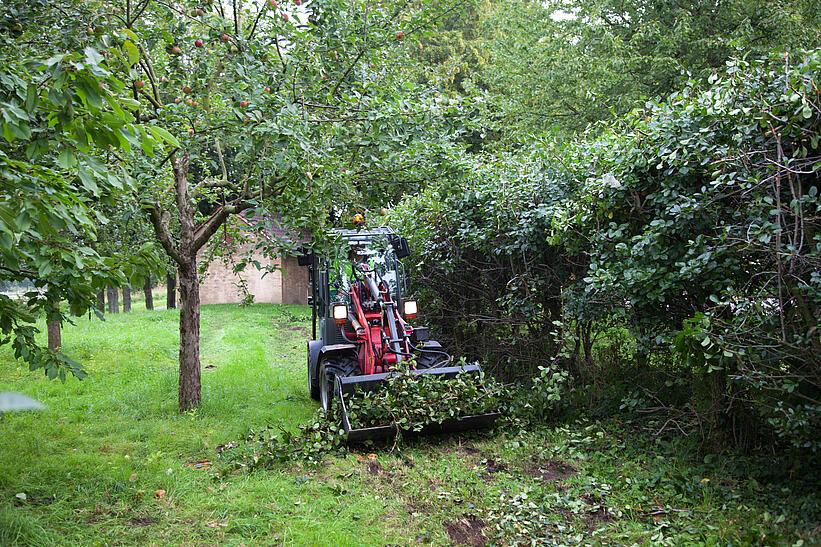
[(294, 281), (286, 285)]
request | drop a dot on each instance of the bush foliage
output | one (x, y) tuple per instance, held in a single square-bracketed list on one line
[(682, 243)]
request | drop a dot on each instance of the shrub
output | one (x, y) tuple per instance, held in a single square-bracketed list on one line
[(694, 224)]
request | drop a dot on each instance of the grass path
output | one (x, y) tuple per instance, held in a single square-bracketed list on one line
[(92, 464)]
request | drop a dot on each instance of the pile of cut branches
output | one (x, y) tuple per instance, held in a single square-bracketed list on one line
[(408, 402)]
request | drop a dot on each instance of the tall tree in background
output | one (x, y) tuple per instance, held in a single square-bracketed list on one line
[(561, 65), (126, 228)]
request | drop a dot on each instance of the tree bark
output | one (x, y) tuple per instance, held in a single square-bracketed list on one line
[(190, 386), (101, 301), (126, 299), (55, 339), (54, 325), (170, 291), (190, 389), (113, 300), (149, 294)]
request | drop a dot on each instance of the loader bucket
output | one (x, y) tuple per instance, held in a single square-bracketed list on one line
[(368, 382)]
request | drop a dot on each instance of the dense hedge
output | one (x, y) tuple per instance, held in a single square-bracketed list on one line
[(678, 252)]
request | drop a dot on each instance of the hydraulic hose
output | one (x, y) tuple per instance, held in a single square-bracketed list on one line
[(449, 357)]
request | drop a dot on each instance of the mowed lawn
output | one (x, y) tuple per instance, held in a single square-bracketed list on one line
[(90, 464), (111, 461)]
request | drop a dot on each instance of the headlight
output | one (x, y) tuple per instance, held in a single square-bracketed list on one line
[(410, 309), (340, 313)]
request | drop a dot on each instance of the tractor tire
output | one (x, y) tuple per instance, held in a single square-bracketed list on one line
[(429, 359), (329, 369), (313, 383)]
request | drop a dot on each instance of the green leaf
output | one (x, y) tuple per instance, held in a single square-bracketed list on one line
[(132, 52), (93, 56), (162, 134), (66, 159), (88, 91)]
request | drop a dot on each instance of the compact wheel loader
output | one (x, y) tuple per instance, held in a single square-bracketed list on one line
[(362, 331)]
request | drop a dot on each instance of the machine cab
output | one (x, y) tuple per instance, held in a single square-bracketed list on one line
[(379, 249)]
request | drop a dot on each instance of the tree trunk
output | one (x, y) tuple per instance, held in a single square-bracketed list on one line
[(587, 345), (190, 388), (126, 299), (53, 322), (149, 295), (55, 339), (101, 301), (113, 300), (170, 291), (185, 256), (190, 391)]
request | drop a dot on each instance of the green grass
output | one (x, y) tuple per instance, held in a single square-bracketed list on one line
[(90, 464)]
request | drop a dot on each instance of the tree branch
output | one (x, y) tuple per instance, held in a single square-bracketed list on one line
[(160, 224), (347, 72), (208, 228), (204, 231)]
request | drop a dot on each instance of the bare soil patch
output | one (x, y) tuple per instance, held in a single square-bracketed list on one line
[(142, 521), (468, 530), (493, 466), (600, 516), (550, 470)]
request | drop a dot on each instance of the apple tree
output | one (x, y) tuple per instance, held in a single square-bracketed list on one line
[(287, 113), (66, 127)]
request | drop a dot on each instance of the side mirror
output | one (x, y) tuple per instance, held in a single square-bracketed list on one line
[(400, 246)]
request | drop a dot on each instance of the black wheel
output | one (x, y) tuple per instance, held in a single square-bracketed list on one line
[(326, 386), (329, 369), (313, 382), (435, 357)]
